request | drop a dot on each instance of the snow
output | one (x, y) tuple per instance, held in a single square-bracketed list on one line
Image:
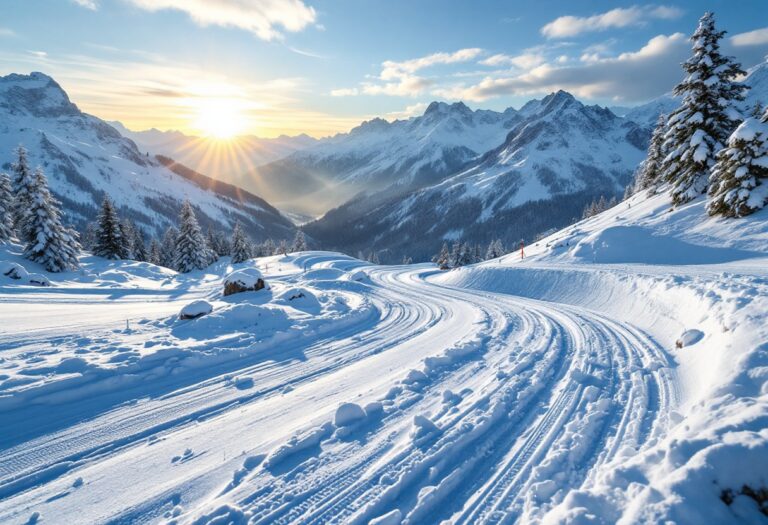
[(196, 309), (549, 389), (247, 277)]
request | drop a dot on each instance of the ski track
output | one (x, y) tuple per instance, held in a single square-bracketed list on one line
[(533, 383)]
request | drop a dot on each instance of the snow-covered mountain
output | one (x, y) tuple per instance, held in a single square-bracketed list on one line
[(200, 153), (756, 79), (84, 158), (378, 154), (558, 156)]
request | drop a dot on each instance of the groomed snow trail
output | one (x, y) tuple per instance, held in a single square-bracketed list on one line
[(481, 408)]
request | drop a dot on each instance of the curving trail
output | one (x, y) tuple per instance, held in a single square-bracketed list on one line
[(515, 402)]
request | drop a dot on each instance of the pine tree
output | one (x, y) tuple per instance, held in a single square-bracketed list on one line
[(493, 250), (139, 246), (6, 212), (269, 248), (51, 244), (649, 174), (241, 250), (127, 232), (192, 251), (23, 184), (168, 248), (443, 259), (109, 235), (741, 168), (455, 260), (299, 242), (155, 254), (466, 254), (282, 249), (697, 130)]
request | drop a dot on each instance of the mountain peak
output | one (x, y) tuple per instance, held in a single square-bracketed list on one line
[(558, 97), (36, 94), (436, 107)]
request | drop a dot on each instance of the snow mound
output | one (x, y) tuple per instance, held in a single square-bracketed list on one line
[(323, 274), (300, 298), (690, 337), (196, 309), (13, 271), (245, 280), (348, 414), (240, 317), (38, 279), (359, 276)]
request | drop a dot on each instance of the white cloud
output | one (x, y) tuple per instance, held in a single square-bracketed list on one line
[(400, 78), (751, 38), (522, 61), (5, 32), (38, 54), (260, 17), (637, 75), (88, 4), (568, 26), (410, 111)]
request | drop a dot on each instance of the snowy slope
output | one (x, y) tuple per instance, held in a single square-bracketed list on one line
[(85, 158), (378, 154), (543, 390), (559, 156), (683, 278)]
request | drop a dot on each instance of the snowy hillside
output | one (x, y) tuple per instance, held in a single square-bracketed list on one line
[(377, 154), (559, 156), (545, 390), (84, 158)]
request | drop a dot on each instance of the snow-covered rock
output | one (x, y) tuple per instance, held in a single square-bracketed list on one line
[(348, 414), (13, 271), (38, 279), (245, 280), (196, 309)]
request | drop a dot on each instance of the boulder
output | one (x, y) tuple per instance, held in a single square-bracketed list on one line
[(246, 280), (37, 279), (196, 309)]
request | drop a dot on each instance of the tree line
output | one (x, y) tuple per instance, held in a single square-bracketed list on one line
[(706, 146), (30, 214)]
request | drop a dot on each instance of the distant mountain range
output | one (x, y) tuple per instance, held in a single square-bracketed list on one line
[(85, 158)]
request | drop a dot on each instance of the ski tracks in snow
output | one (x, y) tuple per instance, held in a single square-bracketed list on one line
[(481, 408)]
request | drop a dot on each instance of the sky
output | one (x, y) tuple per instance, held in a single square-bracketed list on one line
[(272, 67)]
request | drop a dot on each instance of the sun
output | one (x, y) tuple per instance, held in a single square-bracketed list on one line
[(219, 118)]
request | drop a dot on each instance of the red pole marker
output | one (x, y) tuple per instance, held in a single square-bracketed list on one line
[(522, 250)]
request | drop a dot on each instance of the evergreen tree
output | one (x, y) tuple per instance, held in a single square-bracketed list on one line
[(192, 251), (697, 130), (492, 251), (649, 174), (50, 244), (299, 242), (168, 248), (741, 168), (269, 248), (455, 260), (283, 248), (466, 254), (6, 212), (139, 246), (127, 231), (443, 259), (155, 253), (23, 184), (241, 250), (478, 254), (109, 235), (407, 260)]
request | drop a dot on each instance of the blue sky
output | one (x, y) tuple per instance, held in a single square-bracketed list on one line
[(321, 66)]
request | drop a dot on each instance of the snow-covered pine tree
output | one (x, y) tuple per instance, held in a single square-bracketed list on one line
[(269, 247), (649, 175), (466, 254), (109, 235), (51, 244), (6, 212), (127, 231), (299, 242), (155, 256), (192, 251), (282, 249), (168, 248), (697, 130), (241, 249), (738, 185), (139, 246), (23, 186), (443, 259), (455, 260)]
